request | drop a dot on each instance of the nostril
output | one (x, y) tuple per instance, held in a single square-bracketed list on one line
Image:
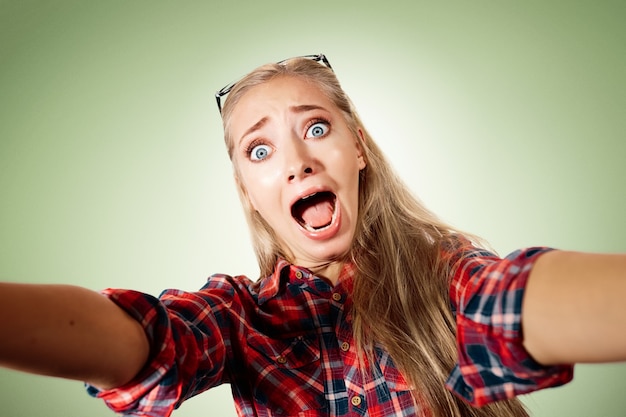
[(299, 173)]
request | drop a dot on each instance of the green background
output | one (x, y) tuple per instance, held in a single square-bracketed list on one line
[(506, 118)]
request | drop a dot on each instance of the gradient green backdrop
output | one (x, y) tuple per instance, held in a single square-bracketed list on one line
[(506, 118)]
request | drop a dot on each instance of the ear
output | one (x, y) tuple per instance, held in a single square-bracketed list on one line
[(360, 145)]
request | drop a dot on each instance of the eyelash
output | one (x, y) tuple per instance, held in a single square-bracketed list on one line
[(252, 145), (315, 121), (257, 142)]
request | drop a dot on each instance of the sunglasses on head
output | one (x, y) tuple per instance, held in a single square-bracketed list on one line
[(224, 91)]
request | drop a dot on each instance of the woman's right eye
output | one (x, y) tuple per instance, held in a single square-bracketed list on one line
[(259, 152)]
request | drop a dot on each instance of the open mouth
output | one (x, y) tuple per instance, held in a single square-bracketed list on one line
[(315, 211)]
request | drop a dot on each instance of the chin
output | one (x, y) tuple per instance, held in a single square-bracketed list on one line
[(330, 251)]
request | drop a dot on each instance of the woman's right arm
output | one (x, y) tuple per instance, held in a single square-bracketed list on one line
[(69, 332)]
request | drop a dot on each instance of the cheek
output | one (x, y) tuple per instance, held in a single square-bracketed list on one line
[(260, 189), (349, 171)]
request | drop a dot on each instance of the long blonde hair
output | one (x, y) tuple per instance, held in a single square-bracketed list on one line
[(401, 290)]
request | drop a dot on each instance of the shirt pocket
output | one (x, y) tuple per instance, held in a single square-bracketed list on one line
[(393, 377), (396, 389), (286, 374)]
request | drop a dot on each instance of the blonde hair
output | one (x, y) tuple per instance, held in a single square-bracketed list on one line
[(401, 289)]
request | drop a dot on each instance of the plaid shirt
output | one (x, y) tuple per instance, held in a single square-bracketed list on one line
[(285, 344)]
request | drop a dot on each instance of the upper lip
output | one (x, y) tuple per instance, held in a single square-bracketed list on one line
[(308, 192)]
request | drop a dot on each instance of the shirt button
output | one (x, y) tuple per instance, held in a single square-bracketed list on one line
[(299, 274), (281, 359), (336, 296), (345, 346), (356, 401)]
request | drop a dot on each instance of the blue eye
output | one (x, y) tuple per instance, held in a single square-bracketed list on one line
[(317, 130), (259, 152)]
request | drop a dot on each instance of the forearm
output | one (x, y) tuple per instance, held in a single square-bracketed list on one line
[(69, 332), (574, 308)]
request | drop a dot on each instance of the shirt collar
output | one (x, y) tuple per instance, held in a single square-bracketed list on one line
[(270, 285), (283, 270)]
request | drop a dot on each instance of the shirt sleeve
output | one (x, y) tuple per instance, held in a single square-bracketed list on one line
[(188, 334), (486, 295)]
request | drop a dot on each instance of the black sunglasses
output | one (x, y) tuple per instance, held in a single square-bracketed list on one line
[(218, 96)]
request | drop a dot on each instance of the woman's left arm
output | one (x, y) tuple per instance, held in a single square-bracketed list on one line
[(574, 308)]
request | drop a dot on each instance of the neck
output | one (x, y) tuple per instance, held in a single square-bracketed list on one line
[(330, 271)]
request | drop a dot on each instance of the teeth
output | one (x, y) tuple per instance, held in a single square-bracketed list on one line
[(296, 210)]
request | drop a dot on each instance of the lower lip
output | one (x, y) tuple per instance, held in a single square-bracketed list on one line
[(328, 232)]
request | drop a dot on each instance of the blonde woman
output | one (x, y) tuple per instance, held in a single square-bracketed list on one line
[(366, 304)]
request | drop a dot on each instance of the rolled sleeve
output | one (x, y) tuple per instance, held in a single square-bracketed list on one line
[(487, 294), (187, 349)]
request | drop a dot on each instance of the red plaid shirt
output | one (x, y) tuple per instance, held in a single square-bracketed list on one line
[(285, 344)]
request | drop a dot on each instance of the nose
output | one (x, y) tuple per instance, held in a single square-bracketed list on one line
[(299, 163)]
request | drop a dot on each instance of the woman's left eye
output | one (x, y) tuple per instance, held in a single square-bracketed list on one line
[(317, 130)]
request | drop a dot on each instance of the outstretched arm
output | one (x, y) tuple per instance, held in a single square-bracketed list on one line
[(574, 308), (69, 332)]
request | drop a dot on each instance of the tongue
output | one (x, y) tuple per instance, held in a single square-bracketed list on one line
[(318, 215)]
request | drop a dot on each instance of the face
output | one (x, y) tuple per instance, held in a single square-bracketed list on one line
[(299, 164)]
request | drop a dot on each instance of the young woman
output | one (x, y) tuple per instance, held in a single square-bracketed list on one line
[(367, 303)]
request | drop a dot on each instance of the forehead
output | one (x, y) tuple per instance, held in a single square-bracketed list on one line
[(274, 98)]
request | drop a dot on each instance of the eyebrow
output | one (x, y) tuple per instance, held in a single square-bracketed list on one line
[(258, 125), (306, 107), (302, 108)]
